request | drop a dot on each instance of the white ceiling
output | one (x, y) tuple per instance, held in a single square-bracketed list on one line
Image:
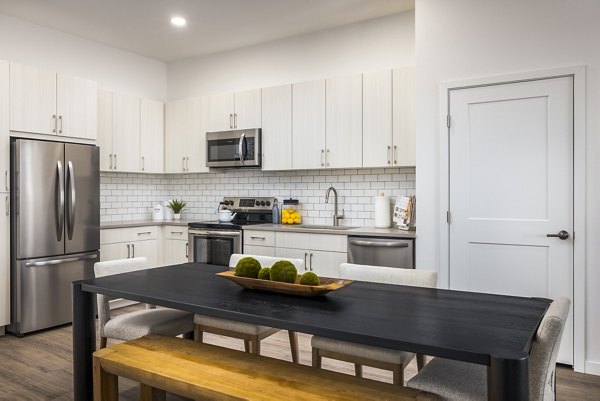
[(143, 26)]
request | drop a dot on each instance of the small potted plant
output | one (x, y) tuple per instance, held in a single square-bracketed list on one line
[(177, 206)]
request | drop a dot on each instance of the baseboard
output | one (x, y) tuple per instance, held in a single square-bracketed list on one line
[(592, 368), (121, 303)]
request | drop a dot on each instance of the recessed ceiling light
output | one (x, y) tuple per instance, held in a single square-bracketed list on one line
[(178, 21)]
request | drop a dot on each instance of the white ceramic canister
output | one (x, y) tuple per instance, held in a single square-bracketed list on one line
[(383, 213), (168, 211), (158, 212)]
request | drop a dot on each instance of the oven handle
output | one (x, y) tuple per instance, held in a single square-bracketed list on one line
[(389, 244), (216, 233)]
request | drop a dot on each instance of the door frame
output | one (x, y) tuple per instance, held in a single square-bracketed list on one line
[(578, 73)]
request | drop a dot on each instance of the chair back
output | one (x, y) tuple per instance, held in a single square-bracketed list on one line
[(102, 269), (265, 261), (389, 275), (542, 358)]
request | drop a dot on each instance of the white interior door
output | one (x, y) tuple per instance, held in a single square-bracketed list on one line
[(511, 184)]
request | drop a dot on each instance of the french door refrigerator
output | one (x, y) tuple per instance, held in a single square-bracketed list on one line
[(55, 229)]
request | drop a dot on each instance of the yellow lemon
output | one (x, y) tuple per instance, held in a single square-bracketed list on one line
[(297, 220)]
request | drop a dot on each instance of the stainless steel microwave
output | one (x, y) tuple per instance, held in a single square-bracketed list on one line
[(239, 148)]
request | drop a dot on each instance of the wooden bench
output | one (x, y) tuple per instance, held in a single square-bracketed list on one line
[(206, 372)]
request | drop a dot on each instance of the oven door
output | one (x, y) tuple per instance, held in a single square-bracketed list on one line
[(214, 247), (239, 148)]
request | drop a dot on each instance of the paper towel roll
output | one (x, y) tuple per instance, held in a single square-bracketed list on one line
[(382, 211)]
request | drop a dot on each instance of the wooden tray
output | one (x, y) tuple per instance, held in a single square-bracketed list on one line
[(327, 285)]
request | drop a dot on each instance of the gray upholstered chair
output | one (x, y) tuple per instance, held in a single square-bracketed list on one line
[(454, 380), (252, 334), (129, 326), (360, 354)]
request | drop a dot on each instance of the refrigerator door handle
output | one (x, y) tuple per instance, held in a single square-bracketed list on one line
[(60, 261), (72, 198), (60, 201)]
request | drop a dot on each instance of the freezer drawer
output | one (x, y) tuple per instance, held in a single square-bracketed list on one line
[(41, 295), (377, 251)]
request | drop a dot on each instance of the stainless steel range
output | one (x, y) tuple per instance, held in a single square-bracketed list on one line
[(214, 242)]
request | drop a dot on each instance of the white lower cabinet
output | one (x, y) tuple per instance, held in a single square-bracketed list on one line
[(323, 263), (5, 261), (175, 248), (259, 250), (124, 243)]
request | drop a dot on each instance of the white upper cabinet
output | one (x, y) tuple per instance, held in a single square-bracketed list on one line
[(126, 133), (240, 110), (32, 100), (247, 111), (105, 130), (343, 130), (152, 136), (404, 94), (196, 139), (44, 102), (277, 128), (377, 119), (76, 107), (308, 125), (4, 130)]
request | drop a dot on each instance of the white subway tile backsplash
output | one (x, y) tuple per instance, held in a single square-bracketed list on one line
[(128, 196)]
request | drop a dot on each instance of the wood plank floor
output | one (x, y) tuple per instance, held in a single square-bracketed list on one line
[(38, 367)]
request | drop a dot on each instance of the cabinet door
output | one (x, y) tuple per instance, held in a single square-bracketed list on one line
[(32, 100), (4, 260), (259, 250), (176, 252), (105, 129), (247, 109), (404, 116), (377, 119), (176, 134), (199, 118), (308, 125), (277, 128), (295, 254), (152, 137), (126, 133), (147, 249), (115, 251), (326, 264), (4, 130), (76, 107), (343, 130), (221, 112)]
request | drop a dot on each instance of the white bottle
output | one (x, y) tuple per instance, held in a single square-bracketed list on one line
[(383, 214), (158, 212), (168, 211)]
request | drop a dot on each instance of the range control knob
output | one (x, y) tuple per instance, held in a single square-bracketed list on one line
[(257, 203), (262, 203), (268, 203)]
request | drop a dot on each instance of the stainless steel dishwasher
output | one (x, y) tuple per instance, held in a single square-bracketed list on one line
[(378, 251)]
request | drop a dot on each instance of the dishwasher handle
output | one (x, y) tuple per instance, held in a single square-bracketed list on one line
[(386, 244)]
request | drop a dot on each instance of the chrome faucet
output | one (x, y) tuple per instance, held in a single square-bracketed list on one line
[(336, 216)]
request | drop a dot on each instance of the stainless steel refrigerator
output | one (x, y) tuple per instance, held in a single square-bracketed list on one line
[(55, 229)]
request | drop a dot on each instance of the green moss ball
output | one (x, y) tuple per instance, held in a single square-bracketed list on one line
[(265, 273), (247, 267), (309, 278), (284, 271)]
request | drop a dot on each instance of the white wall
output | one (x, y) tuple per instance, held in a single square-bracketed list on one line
[(112, 68), (366, 46), (472, 38)]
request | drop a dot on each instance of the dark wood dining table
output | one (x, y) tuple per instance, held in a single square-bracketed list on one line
[(492, 330)]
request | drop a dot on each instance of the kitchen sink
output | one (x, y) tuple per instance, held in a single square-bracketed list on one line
[(320, 227)]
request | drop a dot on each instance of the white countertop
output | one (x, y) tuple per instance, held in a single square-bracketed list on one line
[(141, 223), (366, 231)]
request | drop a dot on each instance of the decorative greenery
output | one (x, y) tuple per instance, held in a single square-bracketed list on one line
[(247, 267), (177, 205), (284, 271)]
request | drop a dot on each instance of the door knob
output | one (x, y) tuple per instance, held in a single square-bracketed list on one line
[(562, 234)]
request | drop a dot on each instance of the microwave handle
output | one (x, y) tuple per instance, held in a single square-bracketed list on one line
[(241, 147)]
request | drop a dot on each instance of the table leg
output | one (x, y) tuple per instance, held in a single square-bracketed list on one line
[(508, 378), (84, 342)]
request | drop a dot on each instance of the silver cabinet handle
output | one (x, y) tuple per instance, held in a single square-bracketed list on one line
[(142, 163), (261, 238), (128, 251), (60, 119), (7, 206), (54, 122), (387, 244), (215, 233), (110, 160), (115, 157), (72, 198), (235, 120), (322, 155), (183, 163), (144, 232), (395, 154), (187, 254), (389, 150), (187, 164), (59, 261), (60, 201), (177, 232), (327, 158), (231, 121), (6, 179), (311, 255), (305, 264), (133, 250)]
